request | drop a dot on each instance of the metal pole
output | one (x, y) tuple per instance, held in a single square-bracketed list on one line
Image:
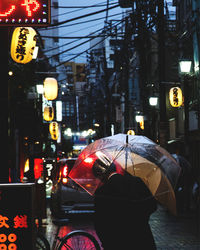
[(77, 113), (4, 152), (123, 111), (161, 70)]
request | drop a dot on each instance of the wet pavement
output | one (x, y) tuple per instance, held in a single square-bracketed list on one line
[(170, 232), (175, 232)]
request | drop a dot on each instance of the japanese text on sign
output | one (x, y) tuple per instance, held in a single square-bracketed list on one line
[(17, 225), (19, 221), (34, 12)]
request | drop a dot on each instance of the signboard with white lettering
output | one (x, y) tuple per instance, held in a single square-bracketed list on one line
[(16, 216)]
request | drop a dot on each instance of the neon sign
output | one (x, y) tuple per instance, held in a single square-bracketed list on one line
[(24, 12), (17, 216)]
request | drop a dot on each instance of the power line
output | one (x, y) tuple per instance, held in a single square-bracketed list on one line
[(76, 46), (74, 7), (88, 21), (53, 67), (63, 45), (85, 28), (74, 37), (77, 55), (79, 8), (83, 16)]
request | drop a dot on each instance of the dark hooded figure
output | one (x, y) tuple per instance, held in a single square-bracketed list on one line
[(184, 185), (123, 205)]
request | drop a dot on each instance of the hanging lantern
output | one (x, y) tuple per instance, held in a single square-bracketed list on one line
[(54, 136), (142, 124), (175, 97), (140, 120), (130, 132), (27, 166), (53, 126), (50, 88), (54, 130), (48, 113), (23, 44)]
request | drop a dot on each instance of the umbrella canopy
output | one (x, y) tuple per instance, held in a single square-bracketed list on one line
[(138, 156)]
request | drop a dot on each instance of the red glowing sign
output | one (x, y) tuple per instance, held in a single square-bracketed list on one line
[(38, 168), (17, 215), (24, 12)]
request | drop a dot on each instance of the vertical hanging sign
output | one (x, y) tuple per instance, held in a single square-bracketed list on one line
[(16, 216)]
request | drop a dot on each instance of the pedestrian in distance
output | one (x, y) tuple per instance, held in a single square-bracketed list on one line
[(184, 185), (123, 205)]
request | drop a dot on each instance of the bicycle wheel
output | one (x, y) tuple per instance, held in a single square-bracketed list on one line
[(41, 242), (79, 240)]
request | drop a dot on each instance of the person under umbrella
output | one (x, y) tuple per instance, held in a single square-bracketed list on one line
[(123, 205), (137, 155)]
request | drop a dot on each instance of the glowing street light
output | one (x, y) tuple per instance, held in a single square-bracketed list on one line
[(153, 101), (185, 66)]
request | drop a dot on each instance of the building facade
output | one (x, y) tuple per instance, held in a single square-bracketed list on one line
[(188, 25), (145, 63)]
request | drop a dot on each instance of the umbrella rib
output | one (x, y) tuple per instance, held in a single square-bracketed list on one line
[(164, 192), (119, 151)]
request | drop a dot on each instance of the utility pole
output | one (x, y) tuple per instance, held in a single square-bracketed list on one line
[(196, 50), (126, 74), (161, 70), (4, 152)]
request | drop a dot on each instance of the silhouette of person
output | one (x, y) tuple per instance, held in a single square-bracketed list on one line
[(184, 184), (123, 205)]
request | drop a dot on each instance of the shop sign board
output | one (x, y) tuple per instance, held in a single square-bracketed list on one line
[(17, 216), (25, 12)]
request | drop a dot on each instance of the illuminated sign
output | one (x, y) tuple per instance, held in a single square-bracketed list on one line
[(17, 216), (175, 97), (24, 12), (38, 168), (23, 44)]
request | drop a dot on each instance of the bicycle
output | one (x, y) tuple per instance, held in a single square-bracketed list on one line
[(77, 240), (41, 242), (74, 240)]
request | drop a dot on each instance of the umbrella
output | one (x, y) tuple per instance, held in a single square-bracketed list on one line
[(138, 156)]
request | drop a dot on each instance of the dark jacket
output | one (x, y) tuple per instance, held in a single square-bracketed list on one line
[(122, 209)]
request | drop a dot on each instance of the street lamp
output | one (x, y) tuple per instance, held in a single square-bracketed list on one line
[(153, 101), (185, 70), (40, 89), (153, 118), (140, 119), (185, 66)]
